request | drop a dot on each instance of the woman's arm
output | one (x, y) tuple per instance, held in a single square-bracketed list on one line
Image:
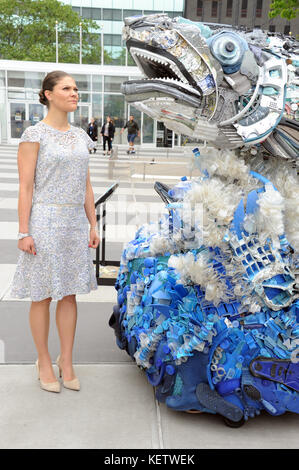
[(89, 203), (27, 158), (91, 214)]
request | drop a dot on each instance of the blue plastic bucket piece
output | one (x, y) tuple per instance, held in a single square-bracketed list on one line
[(181, 290), (149, 262), (226, 387), (155, 379)]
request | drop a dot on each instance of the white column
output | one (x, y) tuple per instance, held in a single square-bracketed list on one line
[(56, 26), (80, 43)]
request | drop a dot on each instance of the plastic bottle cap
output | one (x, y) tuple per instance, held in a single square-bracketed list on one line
[(148, 262), (170, 370), (229, 46)]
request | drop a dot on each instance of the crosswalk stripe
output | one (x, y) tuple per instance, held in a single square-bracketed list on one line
[(111, 206), (120, 233), (97, 189), (8, 165), (103, 172), (5, 166)]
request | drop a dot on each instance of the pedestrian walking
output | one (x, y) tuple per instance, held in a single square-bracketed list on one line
[(108, 131), (92, 131), (133, 131), (56, 201)]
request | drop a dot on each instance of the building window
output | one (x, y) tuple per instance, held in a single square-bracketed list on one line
[(82, 81), (147, 12), (77, 10), (97, 106), (97, 82), (114, 106), (174, 14), (2, 78), (112, 14), (287, 29), (86, 13), (214, 11), (113, 83), (96, 13), (244, 9), (112, 40), (21, 79), (199, 8), (128, 13), (259, 8), (229, 8), (272, 28)]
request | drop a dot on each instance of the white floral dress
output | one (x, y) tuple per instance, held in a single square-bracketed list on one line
[(58, 223)]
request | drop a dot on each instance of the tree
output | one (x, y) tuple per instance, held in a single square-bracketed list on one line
[(288, 9), (27, 32)]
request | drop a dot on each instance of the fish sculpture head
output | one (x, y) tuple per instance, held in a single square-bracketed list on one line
[(224, 86)]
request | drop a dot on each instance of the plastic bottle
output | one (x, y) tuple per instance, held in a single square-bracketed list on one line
[(228, 48), (196, 152), (179, 190)]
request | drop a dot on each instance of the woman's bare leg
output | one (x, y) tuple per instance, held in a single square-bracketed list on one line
[(39, 318), (66, 320)]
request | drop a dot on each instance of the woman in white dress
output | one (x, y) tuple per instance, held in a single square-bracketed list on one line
[(56, 201)]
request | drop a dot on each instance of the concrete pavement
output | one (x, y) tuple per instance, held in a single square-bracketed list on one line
[(116, 409)]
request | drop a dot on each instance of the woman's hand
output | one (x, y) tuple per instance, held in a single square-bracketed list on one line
[(27, 244), (94, 239)]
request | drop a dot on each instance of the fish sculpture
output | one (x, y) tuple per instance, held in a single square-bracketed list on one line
[(208, 297)]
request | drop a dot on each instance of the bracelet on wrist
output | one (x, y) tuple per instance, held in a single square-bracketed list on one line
[(22, 235)]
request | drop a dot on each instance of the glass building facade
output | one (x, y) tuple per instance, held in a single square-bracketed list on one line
[(110, 21), (99, 85)]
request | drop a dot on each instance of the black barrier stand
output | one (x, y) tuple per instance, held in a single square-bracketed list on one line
[(162, 189), (100, 204)]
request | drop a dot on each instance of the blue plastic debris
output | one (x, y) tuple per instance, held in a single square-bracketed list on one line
[(244, 348)]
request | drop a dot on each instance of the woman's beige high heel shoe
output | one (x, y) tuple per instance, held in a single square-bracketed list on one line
[(71, 384), (50, 386)]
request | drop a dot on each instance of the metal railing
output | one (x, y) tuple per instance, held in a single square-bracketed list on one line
[(100, 260)]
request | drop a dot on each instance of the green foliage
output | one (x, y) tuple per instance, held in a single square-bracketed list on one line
[(27, 32), (287, 9)]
